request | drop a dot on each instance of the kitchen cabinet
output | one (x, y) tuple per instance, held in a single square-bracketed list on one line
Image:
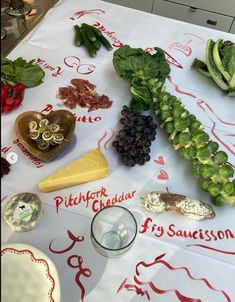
[(226, 7), (192, 14), (232, 29), (214, 14), (145, 6)]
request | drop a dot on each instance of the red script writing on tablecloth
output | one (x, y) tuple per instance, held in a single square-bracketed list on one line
[(211, 249), (82, 13), (69, 61), (179, 90), (172, 231), (107, 140), (97, 199), (56, 71), (85, 272), (80, 119), (169, 58), (185, 49), (133, 287), (110, 34), (5, 149), (184, 46), (37, 163), (81, 68), (226, 139), (74, 240), (145, 287), (195, 38)]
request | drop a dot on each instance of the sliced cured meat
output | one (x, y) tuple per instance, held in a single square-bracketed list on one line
[(82, 84), (82, 93)]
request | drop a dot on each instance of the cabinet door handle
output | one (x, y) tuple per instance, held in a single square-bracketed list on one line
[(192, 9), (211, 22)]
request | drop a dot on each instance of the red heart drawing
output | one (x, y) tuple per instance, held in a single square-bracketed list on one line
[(163, 175), (160, 160)]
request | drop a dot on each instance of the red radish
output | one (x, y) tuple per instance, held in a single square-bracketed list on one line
[(11, 96)]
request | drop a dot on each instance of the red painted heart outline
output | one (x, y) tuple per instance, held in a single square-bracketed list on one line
[(163, 175), (160, 160)]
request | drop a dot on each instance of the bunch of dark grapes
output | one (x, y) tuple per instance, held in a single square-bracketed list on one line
[(133, 141), (5, 167)]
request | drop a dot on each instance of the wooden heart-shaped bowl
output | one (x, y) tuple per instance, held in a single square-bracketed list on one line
[(64, 118)]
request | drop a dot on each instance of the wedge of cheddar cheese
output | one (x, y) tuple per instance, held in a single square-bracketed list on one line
[(91, 166)]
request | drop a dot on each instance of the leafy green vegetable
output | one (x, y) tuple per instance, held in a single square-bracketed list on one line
[(231, 92), (177, 111), (196, 168), (213, 146), (137, 67), (226, 171), (141, 97), (181, 124), (204, 184), (169, 127), (185, 132), (227, 52), (21, 71), (200, 138), (220, 157), (212, 67), (207, 171), (219, 200), (229, 189), (188, 153), (214, 189), (218, 60), (195, 126), (201, 67), (220, 64)]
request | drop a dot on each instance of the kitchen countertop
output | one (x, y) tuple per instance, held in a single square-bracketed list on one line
[(19, 27), (174, 258)]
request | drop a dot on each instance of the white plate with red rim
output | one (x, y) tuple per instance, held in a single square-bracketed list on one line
[(28, 275)]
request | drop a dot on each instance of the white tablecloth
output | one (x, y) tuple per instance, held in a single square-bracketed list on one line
[(199, 268)]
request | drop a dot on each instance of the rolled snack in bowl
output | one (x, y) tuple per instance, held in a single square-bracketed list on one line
[(23, 211)]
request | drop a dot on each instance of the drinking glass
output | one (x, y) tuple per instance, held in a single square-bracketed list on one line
[(113, 231)]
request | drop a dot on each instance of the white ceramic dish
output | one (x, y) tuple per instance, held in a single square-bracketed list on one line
[(28, 275)]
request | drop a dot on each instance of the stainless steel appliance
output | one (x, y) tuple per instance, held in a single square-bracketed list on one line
[(18, 18)]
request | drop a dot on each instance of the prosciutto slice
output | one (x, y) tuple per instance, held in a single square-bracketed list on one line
[(83, 93)]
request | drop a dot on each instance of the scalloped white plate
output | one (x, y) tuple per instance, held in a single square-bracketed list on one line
[(28, 275)]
